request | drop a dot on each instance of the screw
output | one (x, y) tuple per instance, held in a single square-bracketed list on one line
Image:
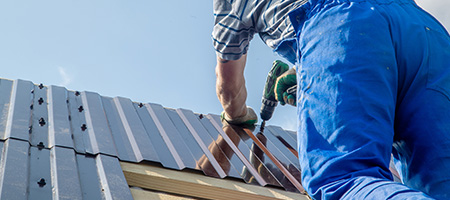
[(30, 129), (83, 127), (141, 105), (31, 107), (41, 145), (40, 101), (32, 91), (80, 109), (42, 121), (77, 93), (41, 86), (41, 182), (201, 116), (70, 118)]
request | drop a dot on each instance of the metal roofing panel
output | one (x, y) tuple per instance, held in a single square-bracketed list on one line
[(14, 167), (134, 129), (284, 150), (5, 97), (283, 135), (251, 152), (73, 141), (59, 130), (40, 181), (18, 121), (196, 151), (30, 172), (236, 164), (100, 138), (65, 179), (39, 117), (171, 136), (77, 121), (114, 185), (125, 144), (204, 140), (248, 173), (89, 177)]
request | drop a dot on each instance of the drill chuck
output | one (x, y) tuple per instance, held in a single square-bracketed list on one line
[(267, 109)]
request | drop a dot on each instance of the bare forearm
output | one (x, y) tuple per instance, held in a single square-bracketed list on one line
[(230, 86)]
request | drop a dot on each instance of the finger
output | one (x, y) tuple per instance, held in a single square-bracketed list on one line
[(285, 97), (291, 100)]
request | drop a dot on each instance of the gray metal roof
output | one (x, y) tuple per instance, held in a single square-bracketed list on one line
[(61, 144)]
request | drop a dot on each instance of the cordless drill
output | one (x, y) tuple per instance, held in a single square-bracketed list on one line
[(268, 100)]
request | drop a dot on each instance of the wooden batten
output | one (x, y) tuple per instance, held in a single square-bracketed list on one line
[(196, 185)]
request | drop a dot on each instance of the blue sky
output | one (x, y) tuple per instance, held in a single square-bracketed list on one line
[(148, 51)]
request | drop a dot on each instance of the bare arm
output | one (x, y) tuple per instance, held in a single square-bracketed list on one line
[(230, 86)]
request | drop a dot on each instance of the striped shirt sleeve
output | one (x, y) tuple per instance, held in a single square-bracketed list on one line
[(231, 35), (237, 21)]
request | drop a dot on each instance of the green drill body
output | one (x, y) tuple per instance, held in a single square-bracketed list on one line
[(268, 101)]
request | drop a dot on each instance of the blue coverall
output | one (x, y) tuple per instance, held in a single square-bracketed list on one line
[(374, 79)]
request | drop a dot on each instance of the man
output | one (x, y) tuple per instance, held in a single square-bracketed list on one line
[(373, 79)]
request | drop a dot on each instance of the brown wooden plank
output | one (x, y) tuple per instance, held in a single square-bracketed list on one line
[(140, 194), (198, 186)]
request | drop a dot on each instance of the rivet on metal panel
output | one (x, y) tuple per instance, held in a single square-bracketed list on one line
[(40, 101), (42, 121), (30, 129), (83, 127), (41, 86), (40, 146), (32, 91), (201, 116), (41, 182), (80, 109), (141, 105), (77, 93), (31, 107)]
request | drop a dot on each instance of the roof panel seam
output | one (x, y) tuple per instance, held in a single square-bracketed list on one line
[(165, 137), (205, 149)]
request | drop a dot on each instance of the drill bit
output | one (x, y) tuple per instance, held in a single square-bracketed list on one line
[(261, 128)]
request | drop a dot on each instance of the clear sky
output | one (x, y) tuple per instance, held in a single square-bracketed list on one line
[(148, 51)]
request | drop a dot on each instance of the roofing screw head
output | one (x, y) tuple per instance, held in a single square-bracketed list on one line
[(141, 105), (40, 101), (30, 129), (32, 91), (41, 182), (77, 93), (42, 121), (70, 118), (41, 86), (31, 107), (80, 109), (83, 127), (40, 146), (201, 116)]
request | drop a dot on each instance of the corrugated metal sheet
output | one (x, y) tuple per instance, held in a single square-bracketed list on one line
[(31, 172), (61, 144)]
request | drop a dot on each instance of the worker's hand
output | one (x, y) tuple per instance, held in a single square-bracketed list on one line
[(247, 120), (282, 84)]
